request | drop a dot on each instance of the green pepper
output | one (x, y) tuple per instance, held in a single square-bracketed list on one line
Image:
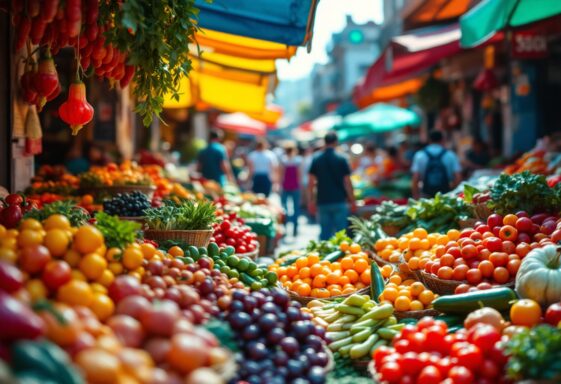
[(43, 362)]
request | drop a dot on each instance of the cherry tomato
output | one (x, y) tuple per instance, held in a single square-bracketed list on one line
[(391, 372), (489, 369), (425, 322), (470, 356), (380, 353), (33, 258), (56, 274), (429, 375), (444, 365), (417, 342), (484, 336), (402, 346), (410, 364), (461, 375)]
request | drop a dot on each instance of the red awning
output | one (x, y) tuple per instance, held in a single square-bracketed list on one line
[(408, 55)]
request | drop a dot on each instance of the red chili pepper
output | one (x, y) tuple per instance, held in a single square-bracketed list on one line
[(33, 8), (22, 32), (129, 73), (49, 10), (92, 11), (73, 15), (38, 27)]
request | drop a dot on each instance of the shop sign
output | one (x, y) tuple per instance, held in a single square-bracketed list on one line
[(529, 45)]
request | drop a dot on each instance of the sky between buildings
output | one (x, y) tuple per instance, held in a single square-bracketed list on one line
[(330, 18)]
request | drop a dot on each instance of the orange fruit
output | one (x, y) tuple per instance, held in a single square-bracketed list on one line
[(352, 275), (92, 265), (424, 244), (402, 303), (426, 297), (344, 280), (344, 246), (75, 293), (304, 290), (117, 268), (386, 271), (32, 224), (413, 263), (525, 312), (87, 239), (72, 258), (365, 277), (57, 221), (416, 305), (315, 292), (395, 279), (453, 234), (301, 262), (348, 290), (333, 277), (416, 288), (148, 250), (319, 281), (335, 266), (390, 294), (281, 271), (291, 271), (57, 241), (106, 278), (30, 237), (132, 258), (414, 244), (313, 258), (323, 293), (355, 248), (304, 272), (315, 270), (335, 291), (102, 306), (176, 251), (346, 263), (420, 233)]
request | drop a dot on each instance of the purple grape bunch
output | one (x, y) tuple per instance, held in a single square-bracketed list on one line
[(279, 344)]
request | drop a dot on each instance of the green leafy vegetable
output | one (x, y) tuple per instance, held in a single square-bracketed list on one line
[(187, 215), (77, 215), (325, 247), (535, 354), (524, 192), (117, 233), (157, 36)]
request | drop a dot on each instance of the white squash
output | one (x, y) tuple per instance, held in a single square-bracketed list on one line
[(539, 276)]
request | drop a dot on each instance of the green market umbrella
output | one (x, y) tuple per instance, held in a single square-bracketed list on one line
[(378, 118), (481, 22)]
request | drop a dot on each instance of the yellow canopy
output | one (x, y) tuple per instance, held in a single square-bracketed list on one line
[(229, 61), (241, 46), (270, 115)]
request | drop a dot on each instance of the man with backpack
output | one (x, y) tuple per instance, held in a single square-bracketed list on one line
[(435, 169)]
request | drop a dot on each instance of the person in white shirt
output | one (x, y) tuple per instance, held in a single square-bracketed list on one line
[(263, 169), (434, 168)]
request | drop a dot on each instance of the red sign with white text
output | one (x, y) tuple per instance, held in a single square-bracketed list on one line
[(529, 45)]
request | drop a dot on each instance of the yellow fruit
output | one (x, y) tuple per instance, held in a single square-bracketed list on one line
[(30, 224), (402, 303), (56, 240), (9, 243), (2, 231), (113, 254), (72, 257), (426, 297), (8, 255), (76, 292), (92, 265), (416, 305), (148, 250), (106, 278), (132, 258), (29, 237), (78, 275), (116, 267), (57, 221), (102, 306), (87, 239), (98, 288), (390, 294), (36, 289)]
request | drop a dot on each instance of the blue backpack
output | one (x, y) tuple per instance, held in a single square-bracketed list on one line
[(436, 177)]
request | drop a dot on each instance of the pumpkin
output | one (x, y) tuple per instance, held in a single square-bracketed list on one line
[(539, 276)]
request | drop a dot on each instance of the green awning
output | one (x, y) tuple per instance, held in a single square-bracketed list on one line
[(378, 118), (490, 16)]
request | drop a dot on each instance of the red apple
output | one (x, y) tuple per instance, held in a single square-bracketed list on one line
[(553, 314)]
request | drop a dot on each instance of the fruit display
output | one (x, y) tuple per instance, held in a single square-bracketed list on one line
[(232, 231), (53, 179), (341, 275), (128, 204), (407, 295), (278, 342), (425, 353), (12, 209), (357, 326), (126, 173)]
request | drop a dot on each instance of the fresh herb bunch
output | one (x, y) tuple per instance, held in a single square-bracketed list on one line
[(157, 36), (524, 192), (128, 204), (187, 215), (535, 354), (366, 232), (117, 233), (77, 215), (325, 247)]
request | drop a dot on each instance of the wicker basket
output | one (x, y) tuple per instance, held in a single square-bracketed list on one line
[(415, 314), (467, 223), (199, 238), (446, 287), (140, 219), (114, 190), (381, 262), (304, 300)]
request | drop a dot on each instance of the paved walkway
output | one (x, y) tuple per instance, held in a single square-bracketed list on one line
[(306, 232)]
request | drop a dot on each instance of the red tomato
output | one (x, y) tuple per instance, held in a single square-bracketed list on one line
[(524, 237), (425, 322), (402, 346), (33, 258), (509, 247), (474, 276), (496, 353), (499, 259), (501, 275), (455, 251), (417, 342), (469, 356), (484, 336), (390, 372), (429, 375), (476, 236), (524, 224), (409, 329), (553, 314), (483, 228), (494, 220), (444, 366), (460, 272), (380, 353), (469, 252), (56, 274), (462, 288), (489, 369), (486, 268), (508, 232), (461, 375), (411, 364), (493, 244), (513, 266), (483, 286)]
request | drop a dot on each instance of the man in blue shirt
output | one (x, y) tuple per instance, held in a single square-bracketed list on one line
[(213, 162), (330, 179)]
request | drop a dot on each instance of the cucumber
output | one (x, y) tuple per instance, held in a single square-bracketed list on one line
[(334, 256), (203, 251), (194, 252), (246, 279), (464, 303), (230, 250), (376, 283), (213, 250)]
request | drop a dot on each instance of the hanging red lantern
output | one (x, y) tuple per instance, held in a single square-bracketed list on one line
[(76, 111), (45, 80)]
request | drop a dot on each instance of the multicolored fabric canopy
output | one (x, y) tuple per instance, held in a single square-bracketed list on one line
[(484, 20), (241, 123), (287, 22)]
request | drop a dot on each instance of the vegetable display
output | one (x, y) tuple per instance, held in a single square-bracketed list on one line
[(539, 277), (187, 215)]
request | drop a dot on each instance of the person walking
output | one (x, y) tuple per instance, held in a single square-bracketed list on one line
[(263, 169), (291, 182), (330, 178), (434, 168), (213, 162)]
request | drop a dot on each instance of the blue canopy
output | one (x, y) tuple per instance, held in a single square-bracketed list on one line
[(287, 22)]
